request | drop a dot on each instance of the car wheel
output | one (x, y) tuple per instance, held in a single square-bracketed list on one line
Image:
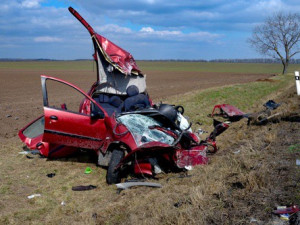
[(113, 176)]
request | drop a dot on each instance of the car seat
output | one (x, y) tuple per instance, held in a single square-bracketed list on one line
[(116, 103), (110, 104), (135, 100)]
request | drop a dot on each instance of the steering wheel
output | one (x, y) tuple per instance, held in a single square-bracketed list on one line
[(179, 109)]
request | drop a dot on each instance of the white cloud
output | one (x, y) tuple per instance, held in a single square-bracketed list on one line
[(47, 39), (30, 4), (148, 33), (177, 35), (266, 6), (113, 28), (147, 30)]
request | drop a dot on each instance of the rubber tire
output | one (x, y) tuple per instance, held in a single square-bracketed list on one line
[(113, 176)]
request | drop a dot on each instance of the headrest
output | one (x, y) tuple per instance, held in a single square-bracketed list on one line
[(103, 98), (115, 101), (132, 90)]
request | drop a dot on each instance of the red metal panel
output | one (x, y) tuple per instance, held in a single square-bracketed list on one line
[(72, 129), (116, 55), (193, 157)]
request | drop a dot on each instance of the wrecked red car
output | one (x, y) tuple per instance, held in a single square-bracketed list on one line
[(117, 120)]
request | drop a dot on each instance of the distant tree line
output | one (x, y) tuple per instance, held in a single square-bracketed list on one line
[(258, 60)]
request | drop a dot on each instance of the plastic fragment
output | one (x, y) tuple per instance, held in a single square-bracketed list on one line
[(23, 153), (83, 188), (88, 170), (188, 167), (253, 220), (284, 209), (127, 185), (298, 162), (63, 203), (33, 196), (285, 217), (50, 175)]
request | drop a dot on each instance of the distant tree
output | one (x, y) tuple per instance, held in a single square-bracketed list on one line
[(278, 37)]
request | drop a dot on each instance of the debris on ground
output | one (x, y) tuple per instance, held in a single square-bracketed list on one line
[(33, 196), (286, 212), (88, 170), (271, 105), (23, 153), (227, 111), (127, 185), (83, 187), (233, 114), (50, 175)]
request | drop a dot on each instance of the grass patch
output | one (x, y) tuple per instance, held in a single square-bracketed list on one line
[(199, 104), (294, 148)]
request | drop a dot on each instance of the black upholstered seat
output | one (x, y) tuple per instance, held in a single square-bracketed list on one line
[(135, 100)]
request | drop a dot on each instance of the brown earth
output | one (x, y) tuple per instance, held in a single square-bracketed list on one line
[(21, 96)]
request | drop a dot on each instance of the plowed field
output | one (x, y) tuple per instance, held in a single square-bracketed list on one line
[(21, 96)]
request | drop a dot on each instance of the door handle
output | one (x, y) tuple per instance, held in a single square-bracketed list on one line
[(53, 118)]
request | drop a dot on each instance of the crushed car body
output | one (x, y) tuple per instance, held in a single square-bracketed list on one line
[(118, 121)]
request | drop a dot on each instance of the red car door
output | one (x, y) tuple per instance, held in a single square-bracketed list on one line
[(83, 129)]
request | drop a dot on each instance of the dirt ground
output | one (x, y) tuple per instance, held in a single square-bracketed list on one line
[(21, 96)]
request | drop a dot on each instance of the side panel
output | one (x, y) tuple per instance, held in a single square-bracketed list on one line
[(73, 129), (70, 128)]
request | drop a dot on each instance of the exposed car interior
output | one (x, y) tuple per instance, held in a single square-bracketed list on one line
[(133, 100)]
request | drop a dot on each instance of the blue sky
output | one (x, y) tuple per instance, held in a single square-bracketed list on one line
[(149, 29)]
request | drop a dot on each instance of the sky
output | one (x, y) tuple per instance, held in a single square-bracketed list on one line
[(148, 29)]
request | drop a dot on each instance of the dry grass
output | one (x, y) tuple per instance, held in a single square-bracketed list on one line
[(253, 172)]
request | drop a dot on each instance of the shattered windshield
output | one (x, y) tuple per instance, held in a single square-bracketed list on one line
[(138, 125)]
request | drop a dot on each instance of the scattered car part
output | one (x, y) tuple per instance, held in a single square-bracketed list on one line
[(33, 196), (50, 175), (24, 152), (286, 210), (262, 117), (127, 185), (88, 170), (271, 105), (83, 187), (228, 111)]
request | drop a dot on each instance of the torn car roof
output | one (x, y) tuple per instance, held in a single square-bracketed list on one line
[(115, 55)]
